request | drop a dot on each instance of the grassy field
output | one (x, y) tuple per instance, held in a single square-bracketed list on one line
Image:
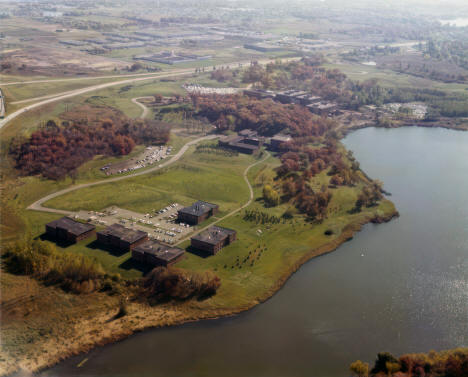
[(253, 263)]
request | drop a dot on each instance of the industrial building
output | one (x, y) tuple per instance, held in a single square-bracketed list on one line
[(69, 230), (121, 238), (157, 254), (197, 212), (213, 239)]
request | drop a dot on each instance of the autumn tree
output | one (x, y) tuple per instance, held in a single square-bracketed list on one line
[(359, 368)]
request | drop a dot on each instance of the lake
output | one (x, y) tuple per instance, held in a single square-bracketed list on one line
[(399, 287)]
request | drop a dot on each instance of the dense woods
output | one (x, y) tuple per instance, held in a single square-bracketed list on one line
[(55, 151), (451, 363), (236, 112)]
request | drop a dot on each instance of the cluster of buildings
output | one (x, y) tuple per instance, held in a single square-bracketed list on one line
[(314, 103), (122, 239)]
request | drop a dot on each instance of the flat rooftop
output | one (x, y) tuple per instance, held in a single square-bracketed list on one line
[(125, 234), (159, 250), (73, 227), (198, 208), (214, 235)]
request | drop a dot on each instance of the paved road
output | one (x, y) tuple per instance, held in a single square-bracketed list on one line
[(60, 96), (251, 197), (73, 93), (143, 107), (37, 205), (74, 79)]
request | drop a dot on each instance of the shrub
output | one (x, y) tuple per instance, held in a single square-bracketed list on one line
[(76, 273), (175, 283)]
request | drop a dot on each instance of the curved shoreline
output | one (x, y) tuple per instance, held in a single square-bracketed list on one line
[(183, 316)]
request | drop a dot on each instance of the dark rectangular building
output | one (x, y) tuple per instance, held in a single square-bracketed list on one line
[(157, 254), (247, 142), (197, 212), (213, 239), (67, 229), (277, 140), (121, 238)]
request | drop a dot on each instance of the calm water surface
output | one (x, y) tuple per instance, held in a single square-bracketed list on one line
[(399, 287)]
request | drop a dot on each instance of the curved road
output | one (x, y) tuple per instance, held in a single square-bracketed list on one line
[(37, 205), (143, 107), (251, 197), (59, 96), (72, 93)]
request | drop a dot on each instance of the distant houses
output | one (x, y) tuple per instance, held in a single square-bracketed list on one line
[(121, 238), (69, 230), (197, 212), (213, 239)]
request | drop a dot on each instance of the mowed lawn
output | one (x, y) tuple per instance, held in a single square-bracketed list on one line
[(251, 267), (195, 176)]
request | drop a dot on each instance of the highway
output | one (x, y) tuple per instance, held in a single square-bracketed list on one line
[(44, 100)]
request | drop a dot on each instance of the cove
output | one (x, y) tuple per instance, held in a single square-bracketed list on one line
[(399, 287)]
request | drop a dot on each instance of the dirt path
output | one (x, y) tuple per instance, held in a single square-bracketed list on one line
[(251, 197), (143, 107), (37, 205)]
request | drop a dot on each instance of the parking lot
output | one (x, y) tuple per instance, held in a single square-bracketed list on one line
[(149, 156), (160, 224)]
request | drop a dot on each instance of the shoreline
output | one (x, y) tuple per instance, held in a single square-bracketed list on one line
[(432, 124), (101, 331)]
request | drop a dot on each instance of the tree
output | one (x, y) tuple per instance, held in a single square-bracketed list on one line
[(359, 368), (270, 196), (383, 358)]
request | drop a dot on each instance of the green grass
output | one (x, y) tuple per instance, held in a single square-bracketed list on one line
[(219, 179), (195, 176)]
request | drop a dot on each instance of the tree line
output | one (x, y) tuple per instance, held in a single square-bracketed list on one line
[(450, 363), (55, 151)]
